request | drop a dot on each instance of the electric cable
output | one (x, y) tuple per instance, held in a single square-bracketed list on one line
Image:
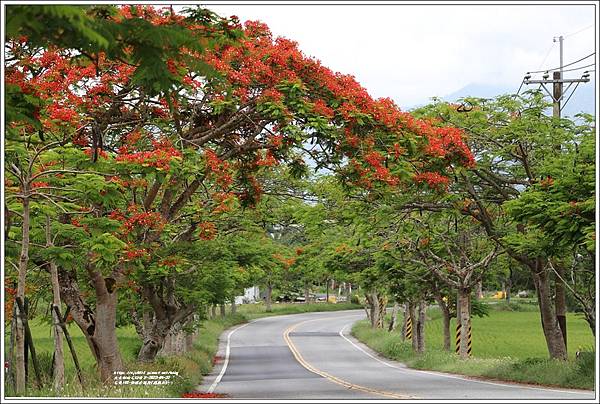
[(568, 64)]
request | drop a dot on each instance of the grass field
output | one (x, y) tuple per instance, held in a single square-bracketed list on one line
[(515, 334), (191, 366), (507, 345)]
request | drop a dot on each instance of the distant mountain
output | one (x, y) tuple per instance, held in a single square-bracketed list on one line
[(583, 100)]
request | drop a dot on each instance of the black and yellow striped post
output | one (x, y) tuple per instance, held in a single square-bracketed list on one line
[(457, 338), (469, 341), (408, 332)]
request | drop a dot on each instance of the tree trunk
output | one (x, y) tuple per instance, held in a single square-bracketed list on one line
[(20, 328), (508, 287), (222, 309), (154, 341), (464, 319), (560, 302), (233, 306), (99, 327), (213, 311), (59, 360), (349, 292), (421, 326), (479, 289), (394, 319), (375, 310), (382, 303), (552, 332), (327, 291), (106, 336), (268, 298), (306, 293), (167, 347), (445, 318), (167, 319)]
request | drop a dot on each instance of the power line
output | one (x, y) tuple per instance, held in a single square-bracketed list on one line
[(579, 68), (547, 54), (581, 30), (568, 64)]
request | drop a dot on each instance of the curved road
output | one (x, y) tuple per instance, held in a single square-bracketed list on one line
[(312, 356)]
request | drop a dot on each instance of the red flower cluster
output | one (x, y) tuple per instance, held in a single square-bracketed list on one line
[(160, 157), (321, 108), (89, 152), (448, 141), (198, 394), (547, 182), (207, 231), (267, 161), (224, 200), (434, 180), (169, 262), (131, 253), (144, 220), (218, 168), (287, 262)]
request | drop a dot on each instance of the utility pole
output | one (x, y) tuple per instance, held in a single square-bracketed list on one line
[(560, 297), (557, 95), (557, 81), (558, 85)]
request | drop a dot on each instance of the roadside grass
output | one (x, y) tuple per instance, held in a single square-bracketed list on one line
[(507, 345), (191, 366)]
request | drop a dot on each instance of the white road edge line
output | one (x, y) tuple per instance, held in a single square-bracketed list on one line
[(449, 376), (226, 362)]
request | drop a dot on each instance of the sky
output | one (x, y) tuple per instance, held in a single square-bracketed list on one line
[(413, 52)]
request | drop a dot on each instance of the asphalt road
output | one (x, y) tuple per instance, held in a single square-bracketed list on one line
[(312, 356)]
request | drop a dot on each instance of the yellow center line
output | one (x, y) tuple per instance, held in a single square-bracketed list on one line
[(331, 378)]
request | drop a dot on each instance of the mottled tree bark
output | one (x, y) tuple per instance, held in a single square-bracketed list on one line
[(99, 325), (19, 363), (394, 319), (445, 319), (421, 326), (464, 319), (552, 332), (59, 360), (560, 302)]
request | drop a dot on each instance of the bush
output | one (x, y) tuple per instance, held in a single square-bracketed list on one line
[(45, 366), (354, 299), (585, 363)]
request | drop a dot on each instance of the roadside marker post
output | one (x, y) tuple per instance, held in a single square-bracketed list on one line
[(469, 339), (408, 334), (457, 350)]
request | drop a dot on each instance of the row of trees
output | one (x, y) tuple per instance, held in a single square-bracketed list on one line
[(147, 154), (158, 163), (524, 212)]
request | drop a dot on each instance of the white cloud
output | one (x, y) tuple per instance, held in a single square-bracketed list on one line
[(413, 52)]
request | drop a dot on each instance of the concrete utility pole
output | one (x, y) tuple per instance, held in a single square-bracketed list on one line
[(558, 86), (557, 81)]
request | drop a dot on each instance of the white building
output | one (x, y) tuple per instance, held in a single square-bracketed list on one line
[(251, 295)]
